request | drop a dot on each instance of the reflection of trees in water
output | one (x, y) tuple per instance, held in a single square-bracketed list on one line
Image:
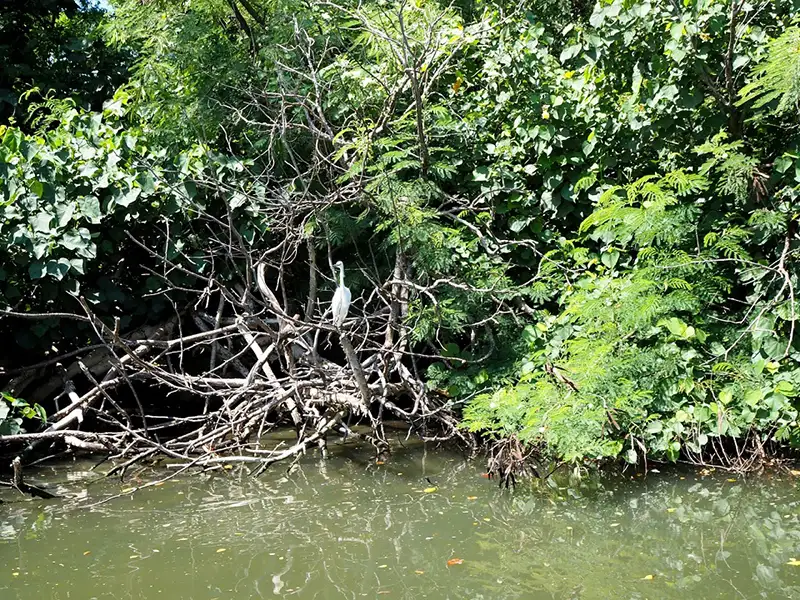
[(709, 539), (347, 527)]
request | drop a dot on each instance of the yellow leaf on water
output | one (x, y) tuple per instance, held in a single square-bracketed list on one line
[(128, 490), (671, 509), (418, 572), (379, 462), (648, 577), (487, 520), (87, 553), (472, 497), (794, 562), (220, 550), (731, 480), (795, 473), (15, 574), (132, 556), (430, 490), (382, 566), (227, 467)]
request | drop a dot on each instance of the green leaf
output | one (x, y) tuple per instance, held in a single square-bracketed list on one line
[(37, 187), (90, 208), (58, 268), (725, 396), (36, 270), (41, 222), (190, 189), (610, 259), (72, 240), (77, 264), (676, 326), (481, 174), (782, 164), (147, 182), (753, 397), (64, 213), (570, 52), (128, 197)]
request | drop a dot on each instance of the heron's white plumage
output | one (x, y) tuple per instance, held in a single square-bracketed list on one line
[(341, 299)]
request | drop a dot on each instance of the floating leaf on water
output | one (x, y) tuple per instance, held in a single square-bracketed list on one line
[(16, 573), (132, 556), (487, 520), (794, 562), (648, 577), (430, 490), (220, 550), (795, 473), (382, 566), (418, 572), (731, 480), (87, 553), (472, 497), (671, 510), (454, 561), (379, 462)]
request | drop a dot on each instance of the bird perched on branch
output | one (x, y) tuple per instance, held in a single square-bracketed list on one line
[(341, 298)]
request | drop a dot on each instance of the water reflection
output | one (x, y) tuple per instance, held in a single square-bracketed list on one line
[(348, 528)]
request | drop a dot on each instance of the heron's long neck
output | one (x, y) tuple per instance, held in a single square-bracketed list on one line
[(341, 275)]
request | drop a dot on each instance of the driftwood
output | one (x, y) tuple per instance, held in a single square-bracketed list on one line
[(262, 371), (26, 488)]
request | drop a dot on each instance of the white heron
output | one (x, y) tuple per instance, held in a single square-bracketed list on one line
[(341, 298)]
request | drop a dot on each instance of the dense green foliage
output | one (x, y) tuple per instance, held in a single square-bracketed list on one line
[(597, 206), (54, 49)]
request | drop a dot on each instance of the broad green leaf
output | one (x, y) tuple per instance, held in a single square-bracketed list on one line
[(37, 270)]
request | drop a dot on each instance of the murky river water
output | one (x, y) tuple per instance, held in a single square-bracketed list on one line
[(350, 528)]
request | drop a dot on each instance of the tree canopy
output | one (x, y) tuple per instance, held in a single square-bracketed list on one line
[(569, 228)]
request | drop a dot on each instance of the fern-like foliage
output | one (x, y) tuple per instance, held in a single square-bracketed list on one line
[(777, 79)]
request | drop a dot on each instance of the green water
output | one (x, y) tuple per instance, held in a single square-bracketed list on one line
[(348, 528)]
